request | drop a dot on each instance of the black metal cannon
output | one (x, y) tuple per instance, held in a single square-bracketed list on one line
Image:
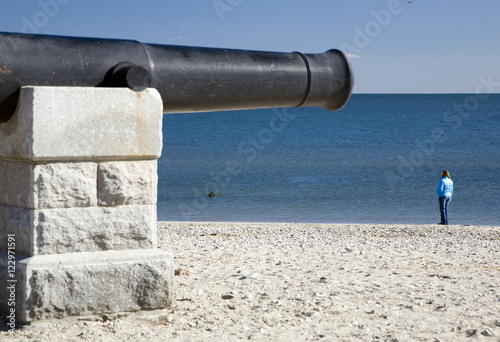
[(189, 79)]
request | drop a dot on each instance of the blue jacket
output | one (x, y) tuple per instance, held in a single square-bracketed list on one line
[(445, 187)]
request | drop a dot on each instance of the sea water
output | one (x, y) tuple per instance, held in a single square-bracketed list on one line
[(378, 160)]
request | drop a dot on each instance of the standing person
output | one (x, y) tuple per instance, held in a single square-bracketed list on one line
[(445, 192)]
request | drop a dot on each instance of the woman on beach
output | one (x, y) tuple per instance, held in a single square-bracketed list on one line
[(445, 192)]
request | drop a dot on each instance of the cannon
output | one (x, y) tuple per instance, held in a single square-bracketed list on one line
[(189, 79)]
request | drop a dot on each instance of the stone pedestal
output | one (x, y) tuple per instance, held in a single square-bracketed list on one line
[(78, 186)]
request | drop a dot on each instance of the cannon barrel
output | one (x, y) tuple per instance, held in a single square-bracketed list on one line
[(189, 79)]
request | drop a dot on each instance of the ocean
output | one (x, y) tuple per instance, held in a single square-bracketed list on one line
[(378, 160)]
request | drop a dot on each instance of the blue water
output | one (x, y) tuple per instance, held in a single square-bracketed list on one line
[(378, 160)]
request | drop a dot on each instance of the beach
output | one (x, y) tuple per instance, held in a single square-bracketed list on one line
[(313, 282)]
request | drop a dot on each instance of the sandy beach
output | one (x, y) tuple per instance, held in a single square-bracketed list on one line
[(313, 282)]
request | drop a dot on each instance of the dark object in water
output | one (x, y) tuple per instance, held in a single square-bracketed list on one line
[(211, 194)]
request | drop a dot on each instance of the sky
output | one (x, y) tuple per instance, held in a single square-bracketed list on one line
[(419, 46)]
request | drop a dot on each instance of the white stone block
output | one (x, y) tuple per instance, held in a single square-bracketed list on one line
[(16, 183), (84, 123), (65, 185), (52, 185), (82, 284), (127, 183), (58, 231)]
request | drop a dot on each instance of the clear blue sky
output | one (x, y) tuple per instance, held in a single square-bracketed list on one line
[(426, 46)]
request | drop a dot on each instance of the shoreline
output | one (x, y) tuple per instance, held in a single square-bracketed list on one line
[(315, 282), (380, 223), (327, 223)]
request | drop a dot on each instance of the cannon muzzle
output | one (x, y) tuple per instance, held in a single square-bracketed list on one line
[(189, 79)]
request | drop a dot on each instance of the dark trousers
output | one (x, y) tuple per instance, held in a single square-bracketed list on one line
[(443, 208)]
